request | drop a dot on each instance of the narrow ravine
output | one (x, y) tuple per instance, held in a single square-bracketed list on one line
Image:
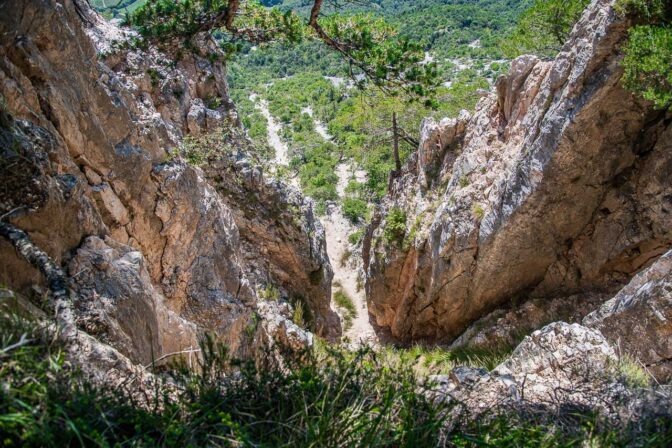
[(337, 228)]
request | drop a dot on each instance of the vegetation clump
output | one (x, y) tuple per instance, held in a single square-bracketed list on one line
[(395, 226), (197, 150), (270, 293), (478, 211), (327, 398), (632, 373), (354, 209), (369, 45), (544, 27), (356, 237), (345, 303), (647, 65)]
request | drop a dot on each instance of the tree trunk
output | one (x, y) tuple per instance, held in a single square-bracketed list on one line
[(395, 131)]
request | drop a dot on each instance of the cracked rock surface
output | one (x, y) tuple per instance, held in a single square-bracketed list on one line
[(158, 253), (557, 185)]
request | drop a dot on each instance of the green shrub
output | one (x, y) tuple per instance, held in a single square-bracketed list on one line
[(213, 102), (297, 316), (270, 293), (155, 76), (355, 237), (302, 314), (347, 307), (327, 398), (648, 64), (433, 360), (354, 209), (196, 151), (644, 10), (478, 211), (395, 226), (544, 27), (632, 373)]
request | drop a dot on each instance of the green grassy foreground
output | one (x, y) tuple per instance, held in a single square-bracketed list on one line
[(328, 398)]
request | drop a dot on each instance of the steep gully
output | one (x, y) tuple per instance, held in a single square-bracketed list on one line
[(336, 226)]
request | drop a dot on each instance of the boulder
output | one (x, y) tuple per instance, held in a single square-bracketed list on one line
[(638, 320)]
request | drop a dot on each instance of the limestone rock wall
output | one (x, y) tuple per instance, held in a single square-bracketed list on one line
[(638, 320), (89, 125), (555, 186)]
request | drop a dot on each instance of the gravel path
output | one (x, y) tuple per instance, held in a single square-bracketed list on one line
[(337, 229), (274, 129)]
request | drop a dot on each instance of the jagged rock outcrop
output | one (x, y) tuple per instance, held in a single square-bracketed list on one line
[(117, 303), (439, 146), (638, 320), (554, 366), (558, 186), (283, 241), (90, 125), (279, 332), (504, 327), (554, 373)]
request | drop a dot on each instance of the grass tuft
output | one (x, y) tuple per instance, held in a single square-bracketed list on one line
[(347, 306), (631, 372), (327, 397)]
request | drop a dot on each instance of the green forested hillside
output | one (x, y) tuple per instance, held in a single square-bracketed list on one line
[(462, 37)]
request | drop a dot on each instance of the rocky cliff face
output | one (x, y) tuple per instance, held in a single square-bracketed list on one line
[(157, 251), (557, 185)]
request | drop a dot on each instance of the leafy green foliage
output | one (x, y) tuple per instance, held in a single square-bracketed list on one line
[(367, 44), (354, 209), (302, 314), (331, 398), (355, 237), (389, 62), (164, 20), (647, 66), (649, 11), (360, 121), (438, 360), (395, 226), (269, 293), (544, 27), (478, 211), (632, 373), (198, 150), (347, 306)]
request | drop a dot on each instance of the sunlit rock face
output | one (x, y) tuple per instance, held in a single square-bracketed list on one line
[(638, 319), (160, 253), (557, 185)]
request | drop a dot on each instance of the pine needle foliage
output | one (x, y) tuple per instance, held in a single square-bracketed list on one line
[(647, 65), (372, 48)]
